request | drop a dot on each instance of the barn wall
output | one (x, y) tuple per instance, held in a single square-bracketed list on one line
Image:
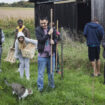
[(65, 13), (70, 15), (98, 9), (84, 14), (42, 10), (73, 15)]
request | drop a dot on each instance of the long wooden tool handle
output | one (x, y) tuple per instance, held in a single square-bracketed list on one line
[(56, 48), (51, 37), (57, 25)]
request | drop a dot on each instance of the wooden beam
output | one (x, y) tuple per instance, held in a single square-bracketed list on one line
[(65, 1)]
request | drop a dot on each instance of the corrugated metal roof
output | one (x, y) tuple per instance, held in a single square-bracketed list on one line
[(65, 1)]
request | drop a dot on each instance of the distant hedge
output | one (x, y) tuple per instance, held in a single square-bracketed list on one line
[(18, 4)]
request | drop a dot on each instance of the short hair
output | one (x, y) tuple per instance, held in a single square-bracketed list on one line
[(43, 18), (95, 19), (20, 20)]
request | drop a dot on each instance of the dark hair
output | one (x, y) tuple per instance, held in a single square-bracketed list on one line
[(20, 20), (43, 18)]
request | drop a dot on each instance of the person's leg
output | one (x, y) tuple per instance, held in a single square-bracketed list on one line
[(18, 66), (22, 64), (93, 63), (98, 63), (0, 57), (98, 67), (51, 74), (58, 64), (48, 70), (91, 55), (27, 66), (42, 62)]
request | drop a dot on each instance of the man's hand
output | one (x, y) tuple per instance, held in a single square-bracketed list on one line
[(50, 31), (51, 41)]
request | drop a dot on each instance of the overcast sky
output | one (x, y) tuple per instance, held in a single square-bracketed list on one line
[(10, 1)]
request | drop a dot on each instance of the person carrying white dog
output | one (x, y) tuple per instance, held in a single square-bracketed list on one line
[(20, 44)]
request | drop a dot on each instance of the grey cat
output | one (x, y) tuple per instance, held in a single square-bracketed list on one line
[(19, 90)]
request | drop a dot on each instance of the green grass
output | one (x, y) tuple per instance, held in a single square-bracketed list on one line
[(76, 88)]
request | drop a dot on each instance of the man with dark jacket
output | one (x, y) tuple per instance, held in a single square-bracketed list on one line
[(2, 38), (43, 34), (94, 32)]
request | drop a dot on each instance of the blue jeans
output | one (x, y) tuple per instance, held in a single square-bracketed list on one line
[(42, 64)]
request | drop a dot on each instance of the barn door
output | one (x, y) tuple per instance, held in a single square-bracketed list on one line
[(84, 14)]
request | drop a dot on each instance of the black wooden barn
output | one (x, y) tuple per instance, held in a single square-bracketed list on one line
[(70, 13)]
